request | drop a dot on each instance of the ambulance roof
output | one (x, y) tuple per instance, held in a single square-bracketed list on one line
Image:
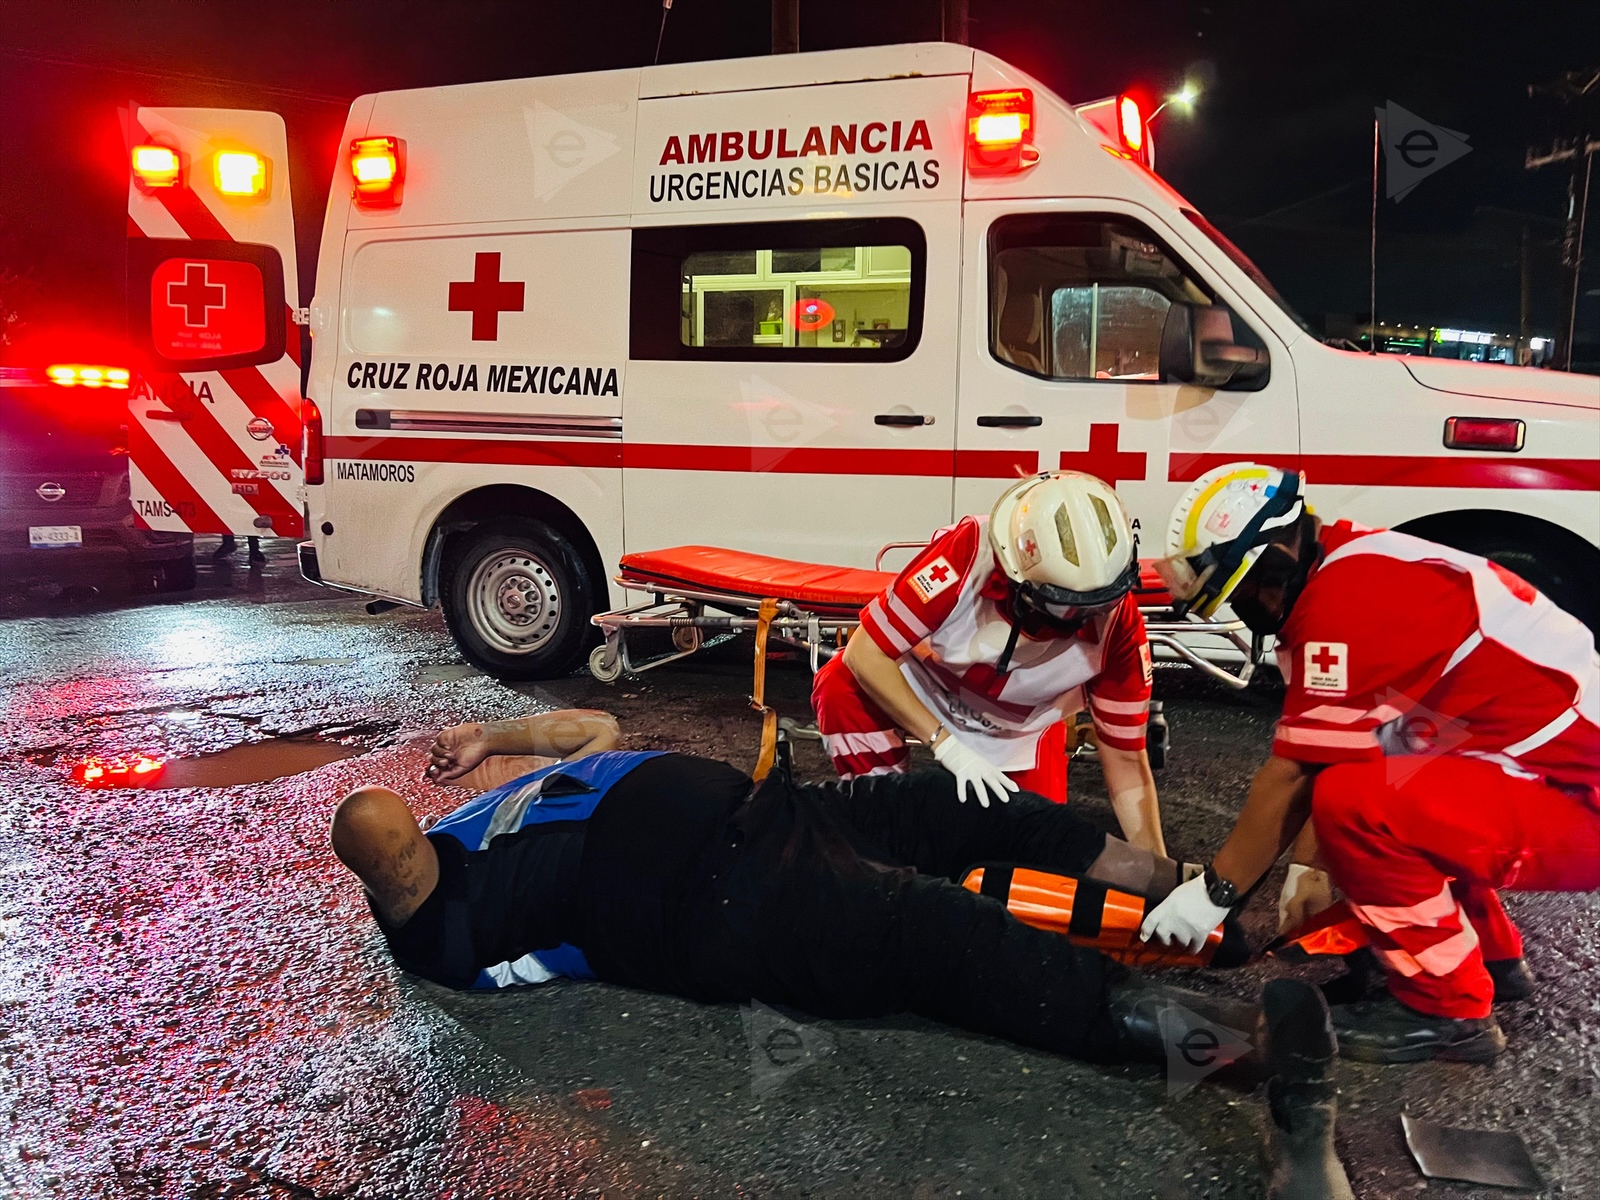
[(799, 70)]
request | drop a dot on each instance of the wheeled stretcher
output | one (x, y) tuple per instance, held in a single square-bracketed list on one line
[(698, 591)]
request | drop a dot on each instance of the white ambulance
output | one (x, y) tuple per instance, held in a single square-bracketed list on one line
[(808, 305)]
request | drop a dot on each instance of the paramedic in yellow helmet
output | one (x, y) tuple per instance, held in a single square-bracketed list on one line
[(1000, 630)]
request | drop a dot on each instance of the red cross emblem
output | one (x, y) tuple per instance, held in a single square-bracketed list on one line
[(1325, 659), (196, 295), (939, 573), (486, 296), (1103, 459)]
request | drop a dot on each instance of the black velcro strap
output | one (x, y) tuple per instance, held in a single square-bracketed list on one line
[(997, 882), (1088, 908)]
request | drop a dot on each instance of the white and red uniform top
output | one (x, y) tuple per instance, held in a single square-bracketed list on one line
[(1399, 646), (947, 619)]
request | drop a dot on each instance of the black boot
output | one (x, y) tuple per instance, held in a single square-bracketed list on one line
[(1149, 1015), (1302, 1094), (1512, 979), (1387, 1031)]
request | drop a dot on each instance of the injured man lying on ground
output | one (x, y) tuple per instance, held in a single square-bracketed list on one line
[(677, 874), (884, 894)]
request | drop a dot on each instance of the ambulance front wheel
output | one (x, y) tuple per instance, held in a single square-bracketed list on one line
[(517, 598)]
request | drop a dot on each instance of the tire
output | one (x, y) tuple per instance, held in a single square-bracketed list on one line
[(1545, 567), (518, 598)]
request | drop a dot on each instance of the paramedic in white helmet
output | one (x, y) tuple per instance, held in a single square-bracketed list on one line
[(997, 632), (1440, 729)]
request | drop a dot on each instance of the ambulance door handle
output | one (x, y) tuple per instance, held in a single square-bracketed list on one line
[(1009, 421), (901, 420)]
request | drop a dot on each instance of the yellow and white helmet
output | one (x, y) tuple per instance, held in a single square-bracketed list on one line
[(1064, 538), (1220, 527)]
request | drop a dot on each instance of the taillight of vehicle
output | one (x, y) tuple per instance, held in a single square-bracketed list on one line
[(1484, 433), (311, 441), (378, 166), (1000, 131)]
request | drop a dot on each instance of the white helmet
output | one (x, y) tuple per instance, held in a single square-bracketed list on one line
[(1064, 538), (1220, 527)]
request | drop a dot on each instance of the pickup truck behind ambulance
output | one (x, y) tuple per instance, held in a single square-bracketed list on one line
[(805, 305)]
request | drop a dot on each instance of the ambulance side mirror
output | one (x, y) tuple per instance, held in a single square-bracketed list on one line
[(1198, 347)]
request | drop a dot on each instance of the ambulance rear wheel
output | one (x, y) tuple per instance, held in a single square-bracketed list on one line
[(518, 598)]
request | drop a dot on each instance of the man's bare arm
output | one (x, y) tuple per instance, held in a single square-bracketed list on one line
[(879, 676), (519, 745), (1276, 810), (1132, 788)]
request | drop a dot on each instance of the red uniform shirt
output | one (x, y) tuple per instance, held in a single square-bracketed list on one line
[(1399, 646), (947, 619)]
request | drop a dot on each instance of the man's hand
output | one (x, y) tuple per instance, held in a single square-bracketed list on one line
[(1185, 918), (457, 750), (971, 769), (1306, 892)]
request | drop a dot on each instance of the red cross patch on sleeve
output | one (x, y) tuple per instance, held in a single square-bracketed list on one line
[(1327, 667), (934, 578)]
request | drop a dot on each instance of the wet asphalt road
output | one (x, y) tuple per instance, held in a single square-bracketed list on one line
[(194, 1002)]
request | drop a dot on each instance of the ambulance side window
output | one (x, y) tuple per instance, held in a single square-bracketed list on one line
[(802, 290), (1083, 297)]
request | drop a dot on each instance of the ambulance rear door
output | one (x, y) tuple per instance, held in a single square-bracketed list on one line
[(214, 434), (794, 286)]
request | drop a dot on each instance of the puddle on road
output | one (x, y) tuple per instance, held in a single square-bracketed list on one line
[(253, 762)]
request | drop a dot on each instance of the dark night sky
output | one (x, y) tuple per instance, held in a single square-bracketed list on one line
[(1278, 152)]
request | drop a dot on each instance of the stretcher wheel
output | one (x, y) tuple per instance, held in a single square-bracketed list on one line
[(606, 668), (685, 639)]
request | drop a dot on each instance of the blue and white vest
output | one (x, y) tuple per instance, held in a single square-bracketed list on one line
[(521, 803)]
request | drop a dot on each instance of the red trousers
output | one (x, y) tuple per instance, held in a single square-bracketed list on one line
[(1418, 844), (862, 740)]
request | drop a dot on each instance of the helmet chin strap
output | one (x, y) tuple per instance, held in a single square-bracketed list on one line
[(1024, 600), (1294, 578)]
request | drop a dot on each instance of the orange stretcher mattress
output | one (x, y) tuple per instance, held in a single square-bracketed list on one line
[(816, 587)]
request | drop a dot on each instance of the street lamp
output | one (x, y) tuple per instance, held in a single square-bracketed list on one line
[(1185, 96)]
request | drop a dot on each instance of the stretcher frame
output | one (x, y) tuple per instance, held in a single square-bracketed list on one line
[(681, 609)]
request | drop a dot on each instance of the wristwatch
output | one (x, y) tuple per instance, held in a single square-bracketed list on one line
[(1223, 893)]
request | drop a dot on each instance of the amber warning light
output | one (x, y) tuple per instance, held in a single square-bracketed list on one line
[(83, 375), (378, 165), (239, 173), (156, 166), (1000, 131)]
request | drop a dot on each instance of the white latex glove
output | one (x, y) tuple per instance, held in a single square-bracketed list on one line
[(1185, 918), (971, 769), (1306, 892)]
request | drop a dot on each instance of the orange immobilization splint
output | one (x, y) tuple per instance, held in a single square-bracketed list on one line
[(758, 694), (1090, 914), (1334, 930)]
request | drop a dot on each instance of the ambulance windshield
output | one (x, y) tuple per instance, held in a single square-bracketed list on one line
[(1241, 260)]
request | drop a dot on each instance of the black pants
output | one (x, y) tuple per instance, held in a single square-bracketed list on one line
[(840, 899)]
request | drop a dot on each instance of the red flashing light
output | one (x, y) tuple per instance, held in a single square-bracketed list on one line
[(1000, 131), (156, 166), (378, 166), (311, 441), (811, 313), (1484, 433), (1130, 125)]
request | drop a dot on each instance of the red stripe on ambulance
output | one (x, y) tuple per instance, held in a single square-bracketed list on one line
[(175, 489), (1399, 470)]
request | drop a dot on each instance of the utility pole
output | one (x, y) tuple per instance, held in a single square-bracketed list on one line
[(785, 26), (1574, 87), (954, 22)]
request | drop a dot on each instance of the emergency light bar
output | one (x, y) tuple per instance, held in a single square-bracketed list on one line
[(1000, 131), (239, 173), (156, 166), (78, 374), (1130, 125), (378, 166), (1121, 120)]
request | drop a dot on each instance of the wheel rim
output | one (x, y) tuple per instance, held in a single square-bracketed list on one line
[(514, 602)]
